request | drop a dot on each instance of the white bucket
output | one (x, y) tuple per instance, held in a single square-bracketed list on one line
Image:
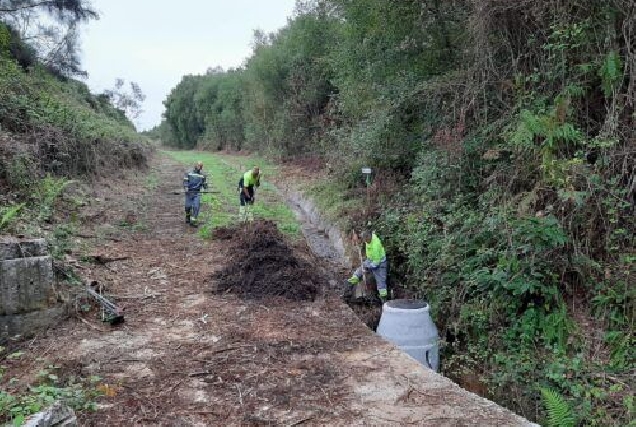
[(408, 324)]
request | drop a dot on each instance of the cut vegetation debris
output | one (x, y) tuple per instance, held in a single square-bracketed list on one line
[(266, 266)]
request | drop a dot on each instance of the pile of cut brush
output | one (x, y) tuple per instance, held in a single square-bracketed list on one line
[(262, 264)]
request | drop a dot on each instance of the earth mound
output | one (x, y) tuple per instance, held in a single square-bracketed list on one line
[(263, 265)]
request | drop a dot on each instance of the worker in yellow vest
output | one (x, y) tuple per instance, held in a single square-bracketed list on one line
[(247, 184), (375, 262)]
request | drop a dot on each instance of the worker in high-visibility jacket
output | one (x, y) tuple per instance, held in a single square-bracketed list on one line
[(193, 183), (247, 184), (375, 262)]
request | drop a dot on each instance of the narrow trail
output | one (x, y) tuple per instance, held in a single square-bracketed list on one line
[(186, 356)]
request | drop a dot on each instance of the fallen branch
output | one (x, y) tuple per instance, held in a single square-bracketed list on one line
[(140, 296), (102, 259), (301, 421), (92, 236), (257, 419), (238, 387), (221, 350), (199, 374)]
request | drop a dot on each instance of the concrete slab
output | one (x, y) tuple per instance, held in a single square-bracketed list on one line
[(12, 248), (25, 284)]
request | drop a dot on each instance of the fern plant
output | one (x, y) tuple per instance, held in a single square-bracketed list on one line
[(8, 214), (611, 72), (559, 412)]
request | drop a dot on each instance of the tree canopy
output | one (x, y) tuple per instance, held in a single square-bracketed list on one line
[(48, 32)]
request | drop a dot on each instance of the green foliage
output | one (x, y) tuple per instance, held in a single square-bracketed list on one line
[(45, 193), (18, 171), (559, 413), (52, 30), (9, 214), (611, 72), (58, 127), (61, 240), (78, 394), (332, 58)]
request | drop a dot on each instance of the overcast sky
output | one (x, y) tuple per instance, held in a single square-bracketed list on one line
[(155, 43)]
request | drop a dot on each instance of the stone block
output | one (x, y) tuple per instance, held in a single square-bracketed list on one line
[(12, 248), (56, 415), (27, 324), (25, 284)]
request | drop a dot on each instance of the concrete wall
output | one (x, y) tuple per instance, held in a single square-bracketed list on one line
[(27, 296)]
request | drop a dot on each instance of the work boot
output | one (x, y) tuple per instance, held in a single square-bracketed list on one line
[(354, 280), (187, 216), (193, 222)]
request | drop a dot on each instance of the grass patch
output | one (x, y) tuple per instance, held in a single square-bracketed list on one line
[(152, 181), (19, 401), (224, 172), (330, 197)]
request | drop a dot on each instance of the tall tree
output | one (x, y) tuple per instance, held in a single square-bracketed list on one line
[(51, 28), (129, 101)]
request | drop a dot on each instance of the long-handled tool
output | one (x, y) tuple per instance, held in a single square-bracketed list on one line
[(360, 291), (364, 284), (115, 314), (200, 192)]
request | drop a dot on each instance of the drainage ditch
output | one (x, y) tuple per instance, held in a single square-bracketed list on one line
[(328, 243)]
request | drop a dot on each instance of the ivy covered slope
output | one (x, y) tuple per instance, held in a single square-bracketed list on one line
[(503, 139), (52, 128)]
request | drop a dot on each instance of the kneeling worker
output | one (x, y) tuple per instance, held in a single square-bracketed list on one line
[(376, 262), (249, 180)]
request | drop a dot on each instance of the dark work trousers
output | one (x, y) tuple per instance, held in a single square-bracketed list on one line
[(192, 203), (250, 190)]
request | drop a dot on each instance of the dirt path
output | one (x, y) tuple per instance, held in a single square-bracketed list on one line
[(186, 356)]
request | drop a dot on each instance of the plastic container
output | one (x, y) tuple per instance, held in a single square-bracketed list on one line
[(408, 324)]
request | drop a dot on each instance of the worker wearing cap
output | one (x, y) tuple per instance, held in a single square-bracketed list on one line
[(375, 262), (193, 183), (247, 184)]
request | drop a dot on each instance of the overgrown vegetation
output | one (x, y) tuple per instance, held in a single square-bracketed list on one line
[(18, 401), (52, 128), (503, 143)]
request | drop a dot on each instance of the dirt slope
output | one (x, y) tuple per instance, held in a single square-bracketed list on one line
[(188, 355)]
